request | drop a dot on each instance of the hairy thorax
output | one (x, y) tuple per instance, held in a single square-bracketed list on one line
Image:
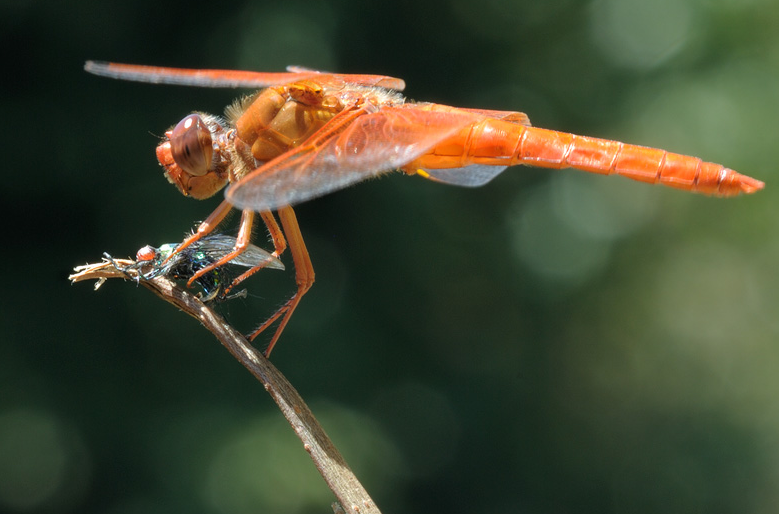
[(277, 119)]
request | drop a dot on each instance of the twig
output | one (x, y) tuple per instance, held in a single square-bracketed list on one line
[(327, 459)]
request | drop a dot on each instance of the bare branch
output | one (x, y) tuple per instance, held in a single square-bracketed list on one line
[(326, 457)]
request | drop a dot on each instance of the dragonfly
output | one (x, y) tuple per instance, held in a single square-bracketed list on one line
[(307, 133), (185, 264)]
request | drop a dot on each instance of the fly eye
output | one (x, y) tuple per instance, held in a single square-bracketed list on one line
[(145, 254), (190, 145)]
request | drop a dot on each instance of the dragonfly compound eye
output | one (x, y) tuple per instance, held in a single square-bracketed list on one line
[(190, 145)]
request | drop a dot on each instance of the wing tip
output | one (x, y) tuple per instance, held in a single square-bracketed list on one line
[(94, 66)]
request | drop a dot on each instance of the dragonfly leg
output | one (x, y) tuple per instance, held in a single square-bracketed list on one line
[(205, 228), (279, 244), (304, 276), (241, 244)]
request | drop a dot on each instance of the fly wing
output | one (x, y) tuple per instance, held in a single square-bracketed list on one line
[(219, 245), (371, 144), (254, 256)]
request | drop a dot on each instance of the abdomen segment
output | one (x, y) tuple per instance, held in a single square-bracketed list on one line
[(501, 143)]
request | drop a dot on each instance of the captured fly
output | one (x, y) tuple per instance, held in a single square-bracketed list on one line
[(197, 256)]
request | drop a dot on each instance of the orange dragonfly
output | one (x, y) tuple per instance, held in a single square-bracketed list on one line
[(309, 133)]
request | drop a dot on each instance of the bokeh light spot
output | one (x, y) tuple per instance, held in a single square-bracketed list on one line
[(704, 295), (263, 467), (547, 243), (39, 461), (602, 209), (641, 35)]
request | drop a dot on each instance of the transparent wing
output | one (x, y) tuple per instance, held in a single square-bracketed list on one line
[(369, 145), (231, 78), (475, 175), (218, 245), (293, 68)]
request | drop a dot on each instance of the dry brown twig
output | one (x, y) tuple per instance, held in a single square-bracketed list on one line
[(327, 459)]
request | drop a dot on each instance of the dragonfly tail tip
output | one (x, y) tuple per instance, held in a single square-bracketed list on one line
[(751, 185)]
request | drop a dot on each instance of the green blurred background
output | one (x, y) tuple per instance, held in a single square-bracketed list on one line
[(552, 342)]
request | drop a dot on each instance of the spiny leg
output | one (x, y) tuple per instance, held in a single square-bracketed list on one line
[(205, 228), (277, 236), (304, 276), (279, 244), (242, 242)]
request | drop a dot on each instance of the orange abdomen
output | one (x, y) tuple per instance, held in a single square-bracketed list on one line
[(502, 143)]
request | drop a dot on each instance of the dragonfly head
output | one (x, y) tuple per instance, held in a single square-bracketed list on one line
[(191, 156)]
